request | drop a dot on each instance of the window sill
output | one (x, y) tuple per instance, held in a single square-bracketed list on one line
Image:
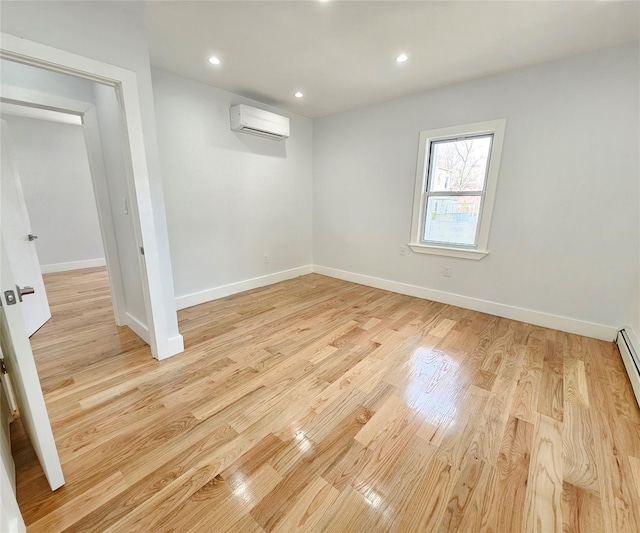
[(464, 253)]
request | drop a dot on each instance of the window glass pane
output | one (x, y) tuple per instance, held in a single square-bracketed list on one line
[(452, 219), (459, 165)]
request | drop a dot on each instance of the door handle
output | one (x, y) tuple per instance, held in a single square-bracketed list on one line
[(32, 237), (24, 291)]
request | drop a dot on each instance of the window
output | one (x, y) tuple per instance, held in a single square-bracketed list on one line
[(455, 186)]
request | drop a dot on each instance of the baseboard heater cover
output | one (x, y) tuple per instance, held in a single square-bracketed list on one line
[(628, 345)]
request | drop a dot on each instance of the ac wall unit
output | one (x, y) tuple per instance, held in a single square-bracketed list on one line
[(256, 121)]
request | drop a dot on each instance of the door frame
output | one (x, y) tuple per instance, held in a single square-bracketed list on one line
[(87, 113), (159, 317)]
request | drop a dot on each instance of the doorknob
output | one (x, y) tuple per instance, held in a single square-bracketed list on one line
[(32, 237), (24, 291)]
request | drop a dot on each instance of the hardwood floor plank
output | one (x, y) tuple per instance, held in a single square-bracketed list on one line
[(146, 482), (503, 510), (345, 513), (253, 459), (66, 515), (314, 501), (459, 436), (464, 502), (392, 412), (270, 511), (525, 403), (575, 383), (550, 402), (387, 484), (342, 473), (487, 439), (433, 427), (426, 507), (543, 502), (625, 402), (324, 424), (581, 510), (579, 456), (161, 506), (246, 524), (635, 472), (616, 485), (228, 513), (442, 328)]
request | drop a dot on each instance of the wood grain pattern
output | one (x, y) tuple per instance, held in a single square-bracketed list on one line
[(314, 502), (505, 509), (579, 465), (581, 510), (635, 472), (69, 513), (575, 383), (550, 402), (617, 487), (543, 511), (428, 503), (286, 494), (321, 405), (465, 500), (246, 494)]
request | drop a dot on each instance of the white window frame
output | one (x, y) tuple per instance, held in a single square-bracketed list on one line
[(480, 250)]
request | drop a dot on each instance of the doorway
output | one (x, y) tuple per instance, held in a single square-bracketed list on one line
[(126, 161), (49, 153), (100, 200)]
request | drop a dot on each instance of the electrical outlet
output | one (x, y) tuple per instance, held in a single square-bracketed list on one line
[(403, 250), (446, 272), (266, 258)]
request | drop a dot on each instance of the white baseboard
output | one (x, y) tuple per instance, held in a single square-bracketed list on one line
[(72, 265), (138, 328), (175, 345), (630, 350), (189, 300), (570, 325)]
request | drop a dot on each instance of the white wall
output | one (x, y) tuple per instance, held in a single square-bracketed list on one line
[(56, 180), (564, 239), (552, 248), (112, 32), (230, 197), (114, 150)]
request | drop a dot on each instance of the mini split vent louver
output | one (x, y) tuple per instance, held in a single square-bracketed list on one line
[(254, 121)]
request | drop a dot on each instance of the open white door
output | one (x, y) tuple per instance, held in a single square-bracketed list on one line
[(22, 371), (10, 518), (22, 251)]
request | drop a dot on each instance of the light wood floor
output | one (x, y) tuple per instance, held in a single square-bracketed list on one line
[(320, 405)]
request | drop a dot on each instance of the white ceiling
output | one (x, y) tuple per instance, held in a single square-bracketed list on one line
[(340, 54)]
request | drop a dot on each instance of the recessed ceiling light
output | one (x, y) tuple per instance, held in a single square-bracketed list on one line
[(402, 58), (298, 94), (214, 60)]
